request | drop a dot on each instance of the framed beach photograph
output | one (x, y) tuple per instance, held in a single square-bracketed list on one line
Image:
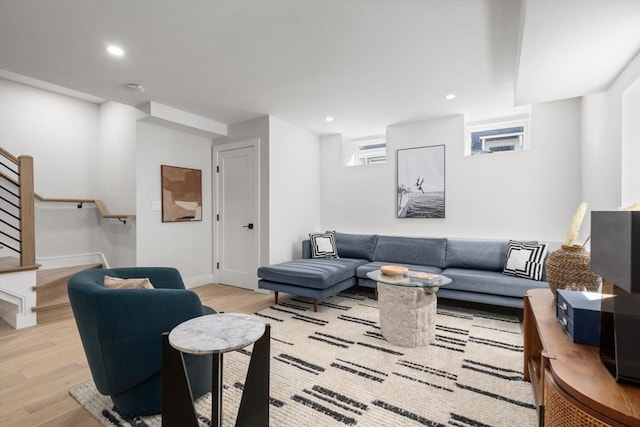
[(181, 194), (421, 192)]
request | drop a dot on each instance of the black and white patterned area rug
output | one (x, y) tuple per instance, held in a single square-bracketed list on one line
[(333, 368)]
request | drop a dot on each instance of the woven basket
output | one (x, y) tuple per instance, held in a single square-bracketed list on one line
[(568, 267)]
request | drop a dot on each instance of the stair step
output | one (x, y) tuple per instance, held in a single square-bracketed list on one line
[(52, 305), (49, 277), (10, 264), (57, 309), (52, 301), (54, 313)]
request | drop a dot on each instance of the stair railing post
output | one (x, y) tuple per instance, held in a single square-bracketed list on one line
[(27, 219)]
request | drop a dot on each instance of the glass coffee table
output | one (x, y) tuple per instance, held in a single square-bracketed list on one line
[(408, 306)]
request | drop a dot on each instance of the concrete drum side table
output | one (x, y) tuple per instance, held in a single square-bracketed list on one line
[(408, 307), (216, 334)]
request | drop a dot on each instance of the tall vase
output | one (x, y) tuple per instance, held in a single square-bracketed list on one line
[(568, 267)]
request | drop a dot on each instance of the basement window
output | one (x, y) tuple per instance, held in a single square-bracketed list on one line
[(497, 136), (369, 150)]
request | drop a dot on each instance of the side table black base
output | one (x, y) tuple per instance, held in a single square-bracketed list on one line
[(177, 401), (254, 406), (178, 409)]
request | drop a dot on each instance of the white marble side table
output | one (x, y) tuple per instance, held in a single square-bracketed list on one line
[(216, 334), (408, 307)]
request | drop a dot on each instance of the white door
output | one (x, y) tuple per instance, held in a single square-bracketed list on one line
[(237, 220)]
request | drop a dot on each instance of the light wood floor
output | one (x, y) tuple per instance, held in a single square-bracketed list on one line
[(39, 365)]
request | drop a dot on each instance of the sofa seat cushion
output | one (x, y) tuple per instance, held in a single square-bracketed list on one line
[(490, 282), (315, 273), (362, 271), (305, 291), (412, 250)]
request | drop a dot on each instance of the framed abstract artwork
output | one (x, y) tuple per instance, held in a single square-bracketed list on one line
[(420, 182), (181, 194)]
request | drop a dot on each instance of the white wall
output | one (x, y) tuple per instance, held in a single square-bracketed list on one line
[(294, 189), (522, 195), (600, 176), (630, 175), (116, 171), (62, 230), (602, 125), (117, 156), (61, 133), (355, 199), (609, 164), (184, 245)]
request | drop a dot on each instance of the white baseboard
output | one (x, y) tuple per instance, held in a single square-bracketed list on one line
[(19, 321), (71, 260)]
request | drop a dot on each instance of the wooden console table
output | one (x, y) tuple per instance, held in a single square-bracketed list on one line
[(570, 385)]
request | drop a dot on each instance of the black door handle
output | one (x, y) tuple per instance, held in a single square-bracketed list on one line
[(249, 226)]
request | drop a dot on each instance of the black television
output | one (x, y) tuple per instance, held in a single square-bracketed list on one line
[(615, 256)]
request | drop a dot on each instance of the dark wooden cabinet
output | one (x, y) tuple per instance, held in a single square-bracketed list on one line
[(570, 385)]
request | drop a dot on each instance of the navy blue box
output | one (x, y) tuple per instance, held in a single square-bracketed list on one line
[(579, 315)]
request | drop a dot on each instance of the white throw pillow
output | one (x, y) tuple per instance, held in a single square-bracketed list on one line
[(323, 245), (525, 260)]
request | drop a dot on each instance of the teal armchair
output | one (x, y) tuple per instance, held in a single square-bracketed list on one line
[(121, 332)]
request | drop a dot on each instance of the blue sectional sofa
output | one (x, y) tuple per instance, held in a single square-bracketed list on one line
[(474, 266)]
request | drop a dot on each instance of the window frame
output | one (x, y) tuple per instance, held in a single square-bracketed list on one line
[(360, 143), (507, 123)]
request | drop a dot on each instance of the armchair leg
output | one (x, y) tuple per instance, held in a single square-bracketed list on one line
[(375, 293), (275, 296), (315, 305)]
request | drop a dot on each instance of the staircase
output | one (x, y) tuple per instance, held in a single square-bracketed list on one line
[(22, 303), (16, 296), (52, 301)]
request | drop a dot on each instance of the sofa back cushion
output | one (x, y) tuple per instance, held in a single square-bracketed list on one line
[(361, 246), (477, 254), (306, 249), (411, 250)]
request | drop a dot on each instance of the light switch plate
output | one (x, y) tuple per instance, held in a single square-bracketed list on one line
[(156, 206)]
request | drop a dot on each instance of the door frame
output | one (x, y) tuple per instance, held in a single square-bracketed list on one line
[(251, 142)]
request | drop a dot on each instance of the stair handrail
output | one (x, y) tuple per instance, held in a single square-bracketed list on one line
[(79, 201), (9, 156)]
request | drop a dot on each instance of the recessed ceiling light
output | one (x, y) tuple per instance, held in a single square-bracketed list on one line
[(135, 86), (329, 119), (115, 50), (450, 96)]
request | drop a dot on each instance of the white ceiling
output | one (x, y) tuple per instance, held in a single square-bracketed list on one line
[(572, 48), (369, 64)]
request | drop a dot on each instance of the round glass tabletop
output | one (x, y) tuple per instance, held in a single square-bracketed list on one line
[(412, 278)]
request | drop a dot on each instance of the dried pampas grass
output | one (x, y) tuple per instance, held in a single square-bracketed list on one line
[(633, 207), (576, 223)]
